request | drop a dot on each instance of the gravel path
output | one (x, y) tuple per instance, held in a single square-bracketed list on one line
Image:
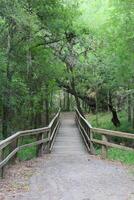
[(70, 173)]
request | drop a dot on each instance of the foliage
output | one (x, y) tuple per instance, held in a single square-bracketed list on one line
[(29, 68), (84, 47), (126, 157), (105, 122)]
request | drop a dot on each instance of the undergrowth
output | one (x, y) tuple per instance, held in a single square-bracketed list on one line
[(104, 121), (28, 152)]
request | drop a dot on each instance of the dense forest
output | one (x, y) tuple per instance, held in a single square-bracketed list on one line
[(64, 54)]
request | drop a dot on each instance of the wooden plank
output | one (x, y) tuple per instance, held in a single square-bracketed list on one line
[(104, 147), (1, 159), (19, 134), (85, 133), (44, 130), (4, 162), (8, 140), (20, 148), (88, 124), (53, 120), (13, 146), (104, 133), (52, 144), (92, 149), (113, 133), (53, 133), (40, 146), (68, 133), (87, 145), (33, 143), (108, 144)]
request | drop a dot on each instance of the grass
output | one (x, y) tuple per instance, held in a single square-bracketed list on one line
[(104, 121), (126, 157), (28, 152)]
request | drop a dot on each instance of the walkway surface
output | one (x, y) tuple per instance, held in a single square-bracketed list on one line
[(69, 140), (70, 173)]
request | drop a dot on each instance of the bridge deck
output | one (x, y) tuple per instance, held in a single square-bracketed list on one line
[(68, 140), (70, 173)]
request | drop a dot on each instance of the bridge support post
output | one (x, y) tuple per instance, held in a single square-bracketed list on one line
[(92, 149), (2, 172), (47, 146), (104, 148), (12, 147), (2, 168), (40, 146)]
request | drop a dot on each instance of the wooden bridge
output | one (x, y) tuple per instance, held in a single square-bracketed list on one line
[(70, 150)]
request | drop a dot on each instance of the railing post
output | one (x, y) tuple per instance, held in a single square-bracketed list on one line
[(2, 168), (40, 146), (92, 149), (47, 148), (13, 146), (104, 148)]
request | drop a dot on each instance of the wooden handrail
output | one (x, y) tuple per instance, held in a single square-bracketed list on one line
[(113, 133), (88, 133), (49, 132), (88, 124)]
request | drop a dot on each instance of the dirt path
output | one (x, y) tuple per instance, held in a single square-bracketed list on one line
[(70, 173)]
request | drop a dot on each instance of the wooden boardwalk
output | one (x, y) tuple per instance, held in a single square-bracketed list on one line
[(71, 173), (68, 140)]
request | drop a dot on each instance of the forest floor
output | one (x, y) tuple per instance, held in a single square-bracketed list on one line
[(68, 177)]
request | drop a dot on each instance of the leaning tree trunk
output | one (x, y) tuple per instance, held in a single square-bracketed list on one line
[(115, 120), (76, 97)]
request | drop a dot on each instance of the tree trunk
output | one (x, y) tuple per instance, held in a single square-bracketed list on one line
[(115, 120), (7, 111), (76, 97), (108, 101), (129, 109), (133, 112), (47, 111), (47, 105), (68, 102), (64, 101), (5, 122), (96, 100)]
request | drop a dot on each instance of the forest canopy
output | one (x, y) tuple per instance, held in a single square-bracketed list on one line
[(55, 52)]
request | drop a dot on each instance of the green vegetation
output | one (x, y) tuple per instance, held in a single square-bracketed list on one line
[(28, 152), (66, 53), (103, 120), (125, 157)]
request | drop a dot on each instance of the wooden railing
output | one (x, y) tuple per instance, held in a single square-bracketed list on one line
[(88, 133), (43, 139)]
